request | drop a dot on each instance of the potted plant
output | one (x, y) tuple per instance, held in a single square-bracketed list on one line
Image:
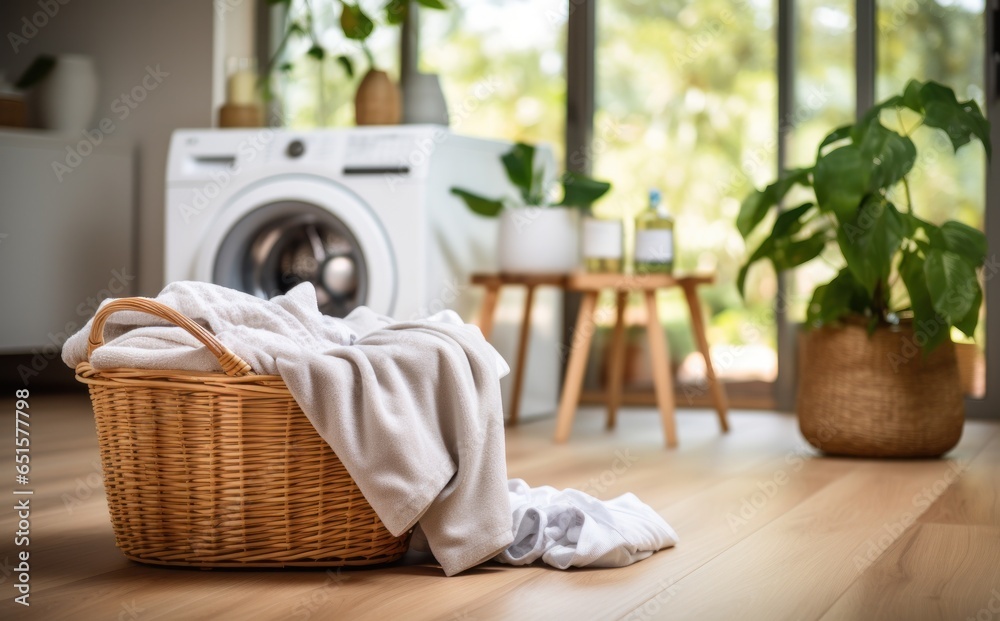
[(537, 235), (879, 376), (377, 100)]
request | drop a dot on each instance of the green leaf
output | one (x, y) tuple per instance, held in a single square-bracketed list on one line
[(961, 121), (890, 155), (479, 204), (795, 253), (788, 223), (870, 241), (432, 4), (926, 320), (911, 95), (872, 116), (395, 11), (580, 190), (835, 300), (763, 251), (355, 24), (520, 165), (317, 52), (36, 72), (841, 180), (966, 241), (756, 205), (952, 283), (286, 67), (345, 62), (968, 323), (841, 133)]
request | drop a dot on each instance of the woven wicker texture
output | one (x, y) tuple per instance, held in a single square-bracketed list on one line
[(224, 469), (878, 396)]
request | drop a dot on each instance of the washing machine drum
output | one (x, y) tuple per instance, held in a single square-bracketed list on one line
[(285, 243)]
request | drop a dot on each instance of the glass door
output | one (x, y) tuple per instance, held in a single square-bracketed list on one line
[(685, 94), (945, 42)]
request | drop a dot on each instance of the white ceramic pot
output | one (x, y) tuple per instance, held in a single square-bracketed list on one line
[(539, 240), (67, 98)]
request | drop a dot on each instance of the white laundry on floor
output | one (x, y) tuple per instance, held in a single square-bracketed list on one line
[(569, 528)]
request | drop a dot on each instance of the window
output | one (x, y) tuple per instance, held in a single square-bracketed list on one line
[(685, 100)]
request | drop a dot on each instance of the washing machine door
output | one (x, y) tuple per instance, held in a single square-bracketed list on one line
[(292, 229)]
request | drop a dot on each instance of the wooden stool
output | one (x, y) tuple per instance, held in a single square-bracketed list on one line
[(493, 283), (591, 285)]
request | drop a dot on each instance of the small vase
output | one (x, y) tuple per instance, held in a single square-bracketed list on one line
[(423, 100), (377, 101), (538, 240), (67, 98)]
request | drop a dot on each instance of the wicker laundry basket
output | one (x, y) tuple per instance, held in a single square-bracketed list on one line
[(223, 469)]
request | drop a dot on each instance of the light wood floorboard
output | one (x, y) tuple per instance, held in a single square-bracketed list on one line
[(769, 530)]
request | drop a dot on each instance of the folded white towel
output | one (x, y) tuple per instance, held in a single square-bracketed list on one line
[(412, 409), (569, 528)]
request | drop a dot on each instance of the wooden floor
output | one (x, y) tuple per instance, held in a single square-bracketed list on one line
[(768, 531)]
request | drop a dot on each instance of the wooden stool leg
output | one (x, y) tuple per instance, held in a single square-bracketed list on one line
[(698, 327), (617, 368), (663, 380), (522, 349), (579, 351), (487, 310)]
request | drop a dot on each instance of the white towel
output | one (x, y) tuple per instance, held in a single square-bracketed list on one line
[(572, 529), (412, 409)]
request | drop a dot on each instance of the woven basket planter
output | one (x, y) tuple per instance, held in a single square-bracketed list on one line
[(223, 469), (878, 396)]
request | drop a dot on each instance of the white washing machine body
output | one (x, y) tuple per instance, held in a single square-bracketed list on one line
[(364, 213)]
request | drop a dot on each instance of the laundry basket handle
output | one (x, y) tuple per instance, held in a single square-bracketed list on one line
[(232, 365)]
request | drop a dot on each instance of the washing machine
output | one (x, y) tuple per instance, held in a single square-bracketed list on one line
[(365, 214)]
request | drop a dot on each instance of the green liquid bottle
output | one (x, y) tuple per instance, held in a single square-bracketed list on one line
[(654, 238)]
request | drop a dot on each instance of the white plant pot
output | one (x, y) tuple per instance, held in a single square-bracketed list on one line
[(539, 240), (67, 98)]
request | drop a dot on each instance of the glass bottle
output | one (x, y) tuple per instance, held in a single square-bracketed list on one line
[(654, 238), (602, 245)]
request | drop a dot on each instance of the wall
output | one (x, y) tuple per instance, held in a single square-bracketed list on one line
[(129, 40)]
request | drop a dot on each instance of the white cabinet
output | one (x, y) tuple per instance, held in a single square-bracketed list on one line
[(66, 234)]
